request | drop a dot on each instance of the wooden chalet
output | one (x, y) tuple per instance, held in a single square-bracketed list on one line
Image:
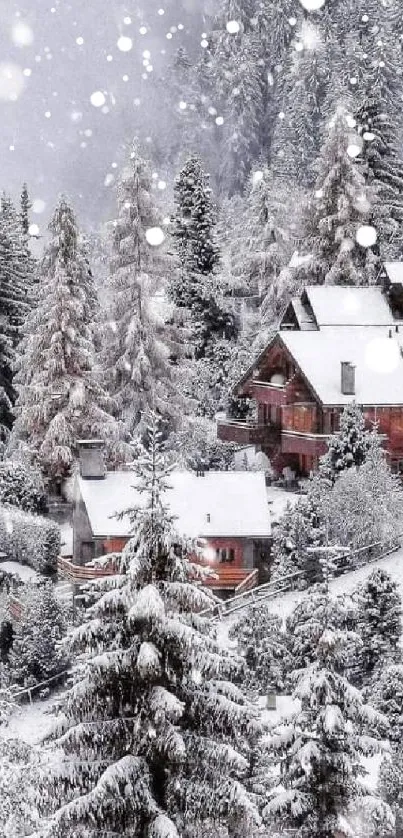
[(335, 345), (226, 512)]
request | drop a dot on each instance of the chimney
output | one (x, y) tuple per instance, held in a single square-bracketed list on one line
[(92, 466), (347, 378)]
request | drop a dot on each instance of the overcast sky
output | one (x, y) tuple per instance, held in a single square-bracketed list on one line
[(54, 56)]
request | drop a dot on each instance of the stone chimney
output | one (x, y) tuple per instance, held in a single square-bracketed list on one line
[(92, 466), (347, 378)]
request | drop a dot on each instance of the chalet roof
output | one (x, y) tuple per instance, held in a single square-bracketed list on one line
[(377, 357), (218, 504), (394, 271), (334, 305)]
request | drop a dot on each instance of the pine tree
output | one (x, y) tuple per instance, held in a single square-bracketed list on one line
[(195, 287), (152, 703), (18, 777), (387, 697), (322, 745), (350, 445), (301, 528), (25, 208), (59, 397), (383, 169), (379, 612), (36, 653), (137, 346), (338, 208), (263, 644)]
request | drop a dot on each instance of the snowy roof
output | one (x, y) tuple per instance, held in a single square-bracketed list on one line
[(219, 504), (341, 306), (394, 271), (377, 357)]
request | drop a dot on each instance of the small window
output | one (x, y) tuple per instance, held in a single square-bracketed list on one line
[(231, 554), (223, 555)]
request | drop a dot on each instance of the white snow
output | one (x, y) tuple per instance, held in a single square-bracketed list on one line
[(22, 571), (31, 722), (319, 355), (218, 504), (394, 271), (278, 500), (337, 306), (66, 534)]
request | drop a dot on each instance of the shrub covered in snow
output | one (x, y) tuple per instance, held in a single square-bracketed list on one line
[(29, 539), (37, 652), (379, 623), (22, 486)]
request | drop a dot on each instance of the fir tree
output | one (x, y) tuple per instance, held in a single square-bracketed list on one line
[(137, 346), (301, 528), (152, 700), (22, 486), (25, 208), (18, 778), (387, 697), (379, 612), (338, 208), (195, 287), (59, 397), (322, 745), (263, 644)]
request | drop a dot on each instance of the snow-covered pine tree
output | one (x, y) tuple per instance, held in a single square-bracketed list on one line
[(300, 528), (339, 206), (263, 644), (22, 486), (151, 701), (350, 445), (18, 780), (36, 653), (25, 205), (322, 744), (387, 697), (137, 345), (300, 121), (195, 287), (383, 170), (379, 623), (60, 399)]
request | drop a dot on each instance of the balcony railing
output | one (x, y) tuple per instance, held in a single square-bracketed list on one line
[(247, 433), (301, 442), (266, 393)]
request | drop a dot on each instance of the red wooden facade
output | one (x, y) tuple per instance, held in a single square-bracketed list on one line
[(225, 556), (292, 425)]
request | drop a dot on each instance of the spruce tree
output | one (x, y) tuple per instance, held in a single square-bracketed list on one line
[(137, 346), (300, 528), (60, 399), (379, 614), (195, 287), (263, 644), (153, 732), (322, 744), (25, 208), (339, 206), (387, 697)]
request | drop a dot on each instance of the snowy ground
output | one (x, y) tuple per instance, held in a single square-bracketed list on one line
[(22, 571), (31, 722)]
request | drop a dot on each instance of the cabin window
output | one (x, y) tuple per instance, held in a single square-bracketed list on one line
[(397, 466), (225, 555)]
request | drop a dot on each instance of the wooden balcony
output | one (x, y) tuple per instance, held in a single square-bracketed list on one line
[(247, 433), (300, 442), (266, 393)]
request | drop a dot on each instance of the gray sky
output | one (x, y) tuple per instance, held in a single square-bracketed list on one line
[(54, 55)]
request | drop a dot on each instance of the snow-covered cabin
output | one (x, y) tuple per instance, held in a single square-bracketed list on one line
[(335, 345), (228, 512)]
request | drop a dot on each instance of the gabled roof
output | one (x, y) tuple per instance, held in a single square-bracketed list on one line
[(334, 305), (218, 504), (376, 356), (394, 272)]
